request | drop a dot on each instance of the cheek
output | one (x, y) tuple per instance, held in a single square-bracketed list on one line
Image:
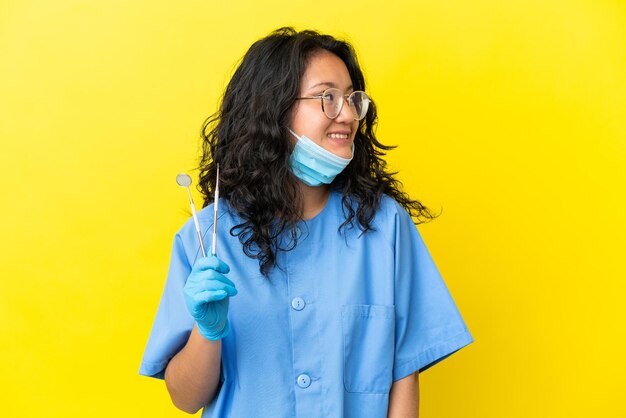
[(293, 115), (316, 125), (355, 128), (304, 118)]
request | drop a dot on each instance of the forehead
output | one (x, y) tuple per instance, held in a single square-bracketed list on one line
[(325, 69)]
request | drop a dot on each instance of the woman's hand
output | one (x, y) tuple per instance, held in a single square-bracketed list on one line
[(206, 293)]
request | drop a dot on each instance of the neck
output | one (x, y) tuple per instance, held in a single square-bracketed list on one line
[(313, 199)]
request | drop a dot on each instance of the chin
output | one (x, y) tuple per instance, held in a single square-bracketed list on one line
[(343, 151), (347, 155)]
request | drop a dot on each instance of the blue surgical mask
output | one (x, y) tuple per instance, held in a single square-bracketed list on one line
[(314, 165)]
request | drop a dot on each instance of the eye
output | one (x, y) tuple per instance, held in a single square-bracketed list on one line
[(332, 95)]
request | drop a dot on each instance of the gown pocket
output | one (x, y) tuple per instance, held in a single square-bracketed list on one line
[(368, 347)]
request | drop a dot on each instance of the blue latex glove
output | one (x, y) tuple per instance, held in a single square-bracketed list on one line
[(207, 292)]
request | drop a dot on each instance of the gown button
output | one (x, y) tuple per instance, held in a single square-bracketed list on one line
[(304, 381), (297, 304)]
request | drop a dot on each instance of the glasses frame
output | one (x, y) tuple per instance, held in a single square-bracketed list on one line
[(344, 98)]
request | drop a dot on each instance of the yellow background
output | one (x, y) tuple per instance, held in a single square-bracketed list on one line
[(510, 115)]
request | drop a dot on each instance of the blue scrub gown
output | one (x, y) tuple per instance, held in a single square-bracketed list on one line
[(342, 316)]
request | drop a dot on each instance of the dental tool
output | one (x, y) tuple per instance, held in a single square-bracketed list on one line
[(184, 180), (216, 199)]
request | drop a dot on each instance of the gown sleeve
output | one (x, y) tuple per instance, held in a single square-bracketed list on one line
[(428, 327), (172, 324)]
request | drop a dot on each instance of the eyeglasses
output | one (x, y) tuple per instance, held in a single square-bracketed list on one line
[(332, 102)]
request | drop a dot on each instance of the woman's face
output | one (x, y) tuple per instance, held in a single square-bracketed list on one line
[(325, 70)]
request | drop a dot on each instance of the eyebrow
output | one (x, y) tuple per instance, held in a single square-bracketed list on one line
[(329, 84)]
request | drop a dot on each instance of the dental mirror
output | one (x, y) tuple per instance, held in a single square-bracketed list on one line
[(184, 180)]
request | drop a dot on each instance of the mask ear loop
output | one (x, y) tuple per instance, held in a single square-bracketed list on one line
[(294, 134)]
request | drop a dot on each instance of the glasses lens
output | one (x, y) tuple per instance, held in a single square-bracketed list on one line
[(359, 103), (332, 102)]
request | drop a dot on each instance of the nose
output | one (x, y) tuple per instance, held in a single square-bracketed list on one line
[(346, 115)]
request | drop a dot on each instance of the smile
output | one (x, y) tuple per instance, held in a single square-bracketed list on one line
[(338, 136)]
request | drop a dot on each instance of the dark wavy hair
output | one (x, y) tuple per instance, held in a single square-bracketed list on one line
[(248, 138)]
